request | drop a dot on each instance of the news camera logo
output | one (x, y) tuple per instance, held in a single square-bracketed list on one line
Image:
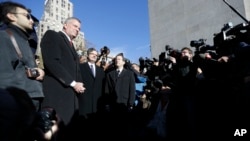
[(240, 132)]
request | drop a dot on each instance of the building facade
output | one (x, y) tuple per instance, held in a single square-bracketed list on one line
[(177, 22), (55, 13)]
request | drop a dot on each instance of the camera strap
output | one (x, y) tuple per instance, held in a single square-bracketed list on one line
[(13, 40)]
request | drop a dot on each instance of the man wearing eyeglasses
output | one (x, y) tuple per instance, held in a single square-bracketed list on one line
[(15, 52), (15, 56)]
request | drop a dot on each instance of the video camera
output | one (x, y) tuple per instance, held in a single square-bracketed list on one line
[(169, 51), (198, 43), (225, 43), (201, 46), (229, 37), (145, 63)]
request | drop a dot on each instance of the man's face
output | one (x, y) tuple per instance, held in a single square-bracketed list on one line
[(119, 62), (186, 54), (72, 28), (136, 67), (22, 19), (92, 56)]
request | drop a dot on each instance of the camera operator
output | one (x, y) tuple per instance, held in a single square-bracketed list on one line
[(237, 85), (150, 68), (168, 58)]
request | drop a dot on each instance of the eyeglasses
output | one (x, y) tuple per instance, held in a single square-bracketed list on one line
[(27, 15)]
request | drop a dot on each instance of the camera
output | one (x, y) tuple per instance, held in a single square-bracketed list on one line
[(105, 50), (44, 119), (32, 72), (145, 63), (197, 43), (169, 52), (103, 56)]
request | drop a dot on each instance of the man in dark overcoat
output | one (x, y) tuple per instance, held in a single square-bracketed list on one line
[(62, 82), (90, 101)]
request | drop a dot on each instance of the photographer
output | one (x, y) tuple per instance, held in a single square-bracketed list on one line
[(18, 67), (236, 85), (182, 102), (21, 122), (150, 68), (104, 61)]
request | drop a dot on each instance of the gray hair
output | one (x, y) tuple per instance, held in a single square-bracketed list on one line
[(70, 19)]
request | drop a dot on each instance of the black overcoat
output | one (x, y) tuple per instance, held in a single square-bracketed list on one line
[(121, 90), (91, 100), (61, 65)]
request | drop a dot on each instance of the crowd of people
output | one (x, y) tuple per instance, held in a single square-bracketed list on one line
[(71, 99)]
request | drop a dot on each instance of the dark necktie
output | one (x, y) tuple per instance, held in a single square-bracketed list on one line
[(71, 43), (118, 73), (92, 69)]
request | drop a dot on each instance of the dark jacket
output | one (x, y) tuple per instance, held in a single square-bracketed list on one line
[(61, 65), (12, 68), (121, 90), (91, 100)]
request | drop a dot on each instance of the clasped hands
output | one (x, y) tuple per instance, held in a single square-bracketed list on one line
[(79, 88)]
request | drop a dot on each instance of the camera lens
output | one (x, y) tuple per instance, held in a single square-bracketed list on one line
[(34, 72)]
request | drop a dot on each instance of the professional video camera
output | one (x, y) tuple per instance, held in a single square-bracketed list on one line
[(148, 67), (205, 56), (229, 37), (146, 63), (198, 43), (169, 51), (201, 46), (225, 42)]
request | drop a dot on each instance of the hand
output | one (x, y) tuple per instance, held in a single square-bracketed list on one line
[(41, 74), (79, 87), (48, 135), (223, 59), (172, 59)]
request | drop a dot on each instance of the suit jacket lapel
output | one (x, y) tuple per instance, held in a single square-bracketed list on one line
[(66, 40), (86, 65)]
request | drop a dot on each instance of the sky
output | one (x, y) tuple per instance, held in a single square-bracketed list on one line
[(121, 25)]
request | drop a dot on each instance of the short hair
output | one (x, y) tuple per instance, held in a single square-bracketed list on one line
[(71, 18), (135, 64), (9, 7), (187, 48), (120, 54), (91, 50)]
